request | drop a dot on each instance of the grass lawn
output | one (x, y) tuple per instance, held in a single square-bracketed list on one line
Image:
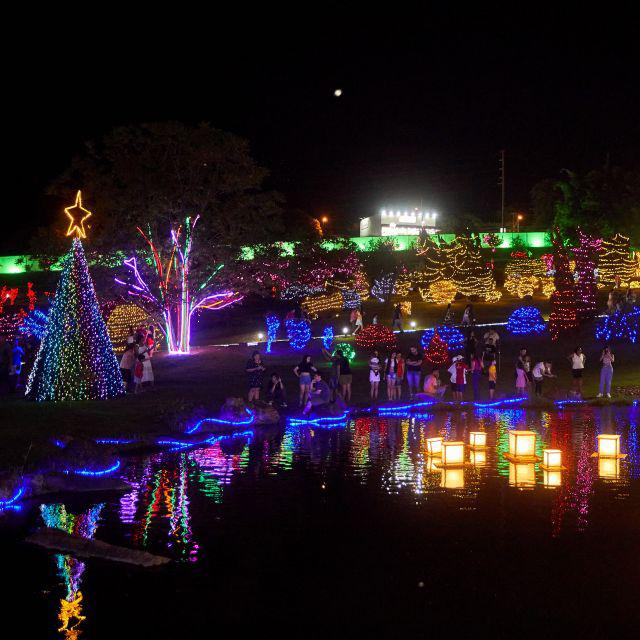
[(211, 374)]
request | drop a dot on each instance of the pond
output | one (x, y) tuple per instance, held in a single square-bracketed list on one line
[(349, 531)]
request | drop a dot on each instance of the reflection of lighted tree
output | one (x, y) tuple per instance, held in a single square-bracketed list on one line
[(70, 569)]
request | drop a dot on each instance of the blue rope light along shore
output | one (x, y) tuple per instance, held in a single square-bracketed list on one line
[(94, 472), (76, 359), (526, 321)]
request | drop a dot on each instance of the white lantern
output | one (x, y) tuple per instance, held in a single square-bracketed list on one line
[(477, 439), (434, 446), (608, 446), (478, 457), (552, 460), (609, 468), (452, 478), (551, 479), (452, 453), (522, 475), (522, 444)]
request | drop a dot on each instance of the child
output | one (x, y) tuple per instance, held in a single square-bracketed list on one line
[(138, 373), (521, 380), (493, 378), (374, 375)]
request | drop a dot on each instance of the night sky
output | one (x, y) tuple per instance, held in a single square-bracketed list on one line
[(426, 106)]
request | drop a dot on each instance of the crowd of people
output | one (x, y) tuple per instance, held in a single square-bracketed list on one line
[(135, 362), (408, 375)]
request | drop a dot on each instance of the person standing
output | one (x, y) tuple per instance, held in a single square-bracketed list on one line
[(467, 316), (492, 372), (476, 376), (521, 379), (127, 363), (397, 319), (448, 315), (391, 374), (358, 326), (304, 371), (255, 376), (17, 353), (577, 360), (399, 375), (374, 375), (413, 365), (606, 373), (345, 377), (458, 371), (471, 348)]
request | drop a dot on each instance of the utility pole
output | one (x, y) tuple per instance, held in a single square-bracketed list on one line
[(502, 186)]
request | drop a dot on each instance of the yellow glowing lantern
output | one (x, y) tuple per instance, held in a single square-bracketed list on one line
[(522, 475), (609, 468), (477, 439), (431, 466), (434, 446), (452, 453), (522, 446), (478, 457), (552, 460), (551, 479), (609, 446), (452, 478)]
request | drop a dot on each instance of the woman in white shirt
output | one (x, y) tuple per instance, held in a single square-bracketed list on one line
[(577, 359)]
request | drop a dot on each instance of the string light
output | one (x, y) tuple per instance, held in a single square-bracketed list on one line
[(440, 292), (347, 350), (327, 338), (563, 317), (586, 255), (75, 360), (122, 318), (615, 261), (526, 321), (35, 324), (383, 287), (273, 324), (318, 304), (451, 336), (298, 333), (80, 212), (374, 336), (437, 352), (351, 299), (620, 325)]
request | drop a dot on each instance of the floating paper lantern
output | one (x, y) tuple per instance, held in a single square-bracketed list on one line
[(477, 439), (478, 457), (609, 446), (522, 444), (609, 468), (452, 478), (522, 475), (551, 479), (452, 453), (434, 447), (552, 460)]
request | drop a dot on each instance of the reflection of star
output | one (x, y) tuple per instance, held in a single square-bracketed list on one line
[(82, 213)]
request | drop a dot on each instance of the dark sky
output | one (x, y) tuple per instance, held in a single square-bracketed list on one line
[(427, 104)]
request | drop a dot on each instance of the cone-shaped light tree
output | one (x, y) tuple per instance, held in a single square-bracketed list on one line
[(75, 360), (437, 352)]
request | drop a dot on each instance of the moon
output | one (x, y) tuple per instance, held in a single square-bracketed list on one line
[(337, 93)]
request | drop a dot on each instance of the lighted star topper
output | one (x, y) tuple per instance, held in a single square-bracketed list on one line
[(77, 212)]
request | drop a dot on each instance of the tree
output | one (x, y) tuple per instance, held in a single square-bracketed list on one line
[(563, 317), (75, 360), (192, 195)]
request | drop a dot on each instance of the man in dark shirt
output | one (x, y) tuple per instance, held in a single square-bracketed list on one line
[(413, 364), (320, 394)]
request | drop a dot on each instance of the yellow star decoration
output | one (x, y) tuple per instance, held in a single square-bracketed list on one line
[(77, 210)]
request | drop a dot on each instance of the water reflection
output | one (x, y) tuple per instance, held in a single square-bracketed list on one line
[(70, 569)]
